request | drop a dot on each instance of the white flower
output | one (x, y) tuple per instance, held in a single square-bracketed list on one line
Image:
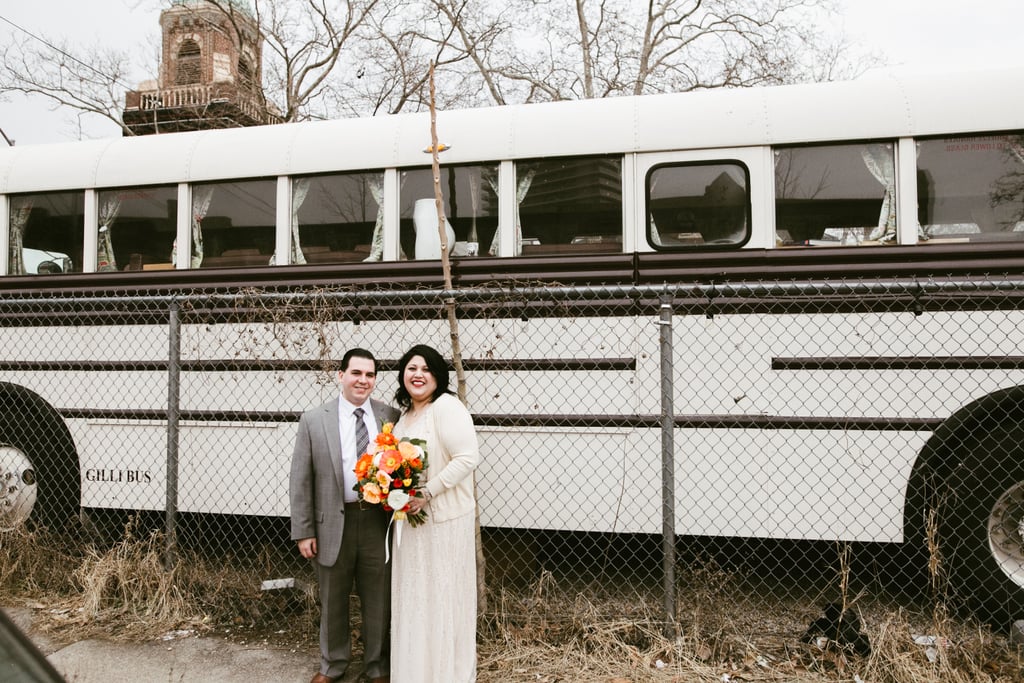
[(398, 499)]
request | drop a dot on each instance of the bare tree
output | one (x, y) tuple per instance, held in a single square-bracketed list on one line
[(408, 40), (392, 70), (792, 180), (303, 41), (474, 34), (390, 77), (354, 58), (1008, 192), (90, 80), (301, 61), (324, 59), (535, 50)]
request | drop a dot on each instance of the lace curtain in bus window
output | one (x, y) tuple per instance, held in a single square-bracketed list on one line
[(569, 205), (376, 186), (109, 209), (878, 158), (202, 195), (474, 200), (300, 190), (21, 208), (655, 235), (522, 188)]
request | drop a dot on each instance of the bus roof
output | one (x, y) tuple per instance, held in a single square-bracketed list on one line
[(883, 105)]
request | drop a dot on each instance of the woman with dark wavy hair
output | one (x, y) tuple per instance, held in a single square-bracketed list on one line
[(433, 578)]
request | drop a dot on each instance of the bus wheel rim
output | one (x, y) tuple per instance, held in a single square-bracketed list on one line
[(1006, 532), (18, 487)]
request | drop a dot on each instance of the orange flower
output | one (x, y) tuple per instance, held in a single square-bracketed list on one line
[(371, 493), (389, 461), (408, 450), (363, 465), (386, 438)]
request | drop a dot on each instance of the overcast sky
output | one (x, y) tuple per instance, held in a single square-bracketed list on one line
[(931, 35)]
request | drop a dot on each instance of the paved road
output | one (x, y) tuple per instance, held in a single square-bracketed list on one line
[(180, 660)]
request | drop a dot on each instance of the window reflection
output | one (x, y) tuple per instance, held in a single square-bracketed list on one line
[(571, 205), (233, 224), (136, 228), (835, 195), (337, 218), (697, 205), (46, 233), (470, 206), (971, 189)]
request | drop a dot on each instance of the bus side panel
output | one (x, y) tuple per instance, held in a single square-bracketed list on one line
[(794, 484)]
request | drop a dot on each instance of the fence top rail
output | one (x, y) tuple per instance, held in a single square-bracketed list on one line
[(821, 289)]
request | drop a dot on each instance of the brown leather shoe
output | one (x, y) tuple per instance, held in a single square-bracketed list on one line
[(320, 678)]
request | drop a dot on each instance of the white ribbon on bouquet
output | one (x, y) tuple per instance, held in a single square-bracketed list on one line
[(397, 500)]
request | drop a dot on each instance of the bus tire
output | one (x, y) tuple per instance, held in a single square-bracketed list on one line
[(964, 519), (983, 530), (40, 479)]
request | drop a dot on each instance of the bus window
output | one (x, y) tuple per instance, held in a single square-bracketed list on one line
[(835, 195), (698, 204), (971, 189), (46, 233), (233, 223), (337, 218), (470, 205), (570, 205), (136, 228)]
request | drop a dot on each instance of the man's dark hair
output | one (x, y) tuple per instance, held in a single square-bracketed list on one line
[(357, 353)]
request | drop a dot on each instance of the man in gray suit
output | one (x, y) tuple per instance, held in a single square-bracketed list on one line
[(343, 537)]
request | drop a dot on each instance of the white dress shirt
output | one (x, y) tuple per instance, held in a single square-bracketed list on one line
[(347, 430)]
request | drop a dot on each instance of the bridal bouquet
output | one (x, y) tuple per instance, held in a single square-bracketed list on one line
[(390, 474)]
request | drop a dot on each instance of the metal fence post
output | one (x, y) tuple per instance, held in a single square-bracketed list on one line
[(173, 413), (668, 506)]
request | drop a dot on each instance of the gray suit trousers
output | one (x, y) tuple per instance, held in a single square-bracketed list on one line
[(360, 561)]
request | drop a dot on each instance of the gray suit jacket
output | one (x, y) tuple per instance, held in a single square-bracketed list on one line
[(316, 481)]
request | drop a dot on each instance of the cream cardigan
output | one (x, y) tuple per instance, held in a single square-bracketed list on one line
[(452, 455)]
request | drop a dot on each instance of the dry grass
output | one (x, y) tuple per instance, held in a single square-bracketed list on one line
[(546, 633), (616, 641), (723, 634), (34, 562), (124, 591)]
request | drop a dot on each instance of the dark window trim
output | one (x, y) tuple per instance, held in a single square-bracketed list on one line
[(697, 247)]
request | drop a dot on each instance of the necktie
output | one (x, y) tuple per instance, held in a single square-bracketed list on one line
[(362, 438)]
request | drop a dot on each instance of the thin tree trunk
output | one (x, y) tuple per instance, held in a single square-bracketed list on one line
[(453, 323)]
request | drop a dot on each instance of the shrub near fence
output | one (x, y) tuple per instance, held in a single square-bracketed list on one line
[(693, 455)]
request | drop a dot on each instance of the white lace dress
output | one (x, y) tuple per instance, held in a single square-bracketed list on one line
[(433, 591)]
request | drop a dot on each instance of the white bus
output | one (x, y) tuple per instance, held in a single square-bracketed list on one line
[(889, 177)]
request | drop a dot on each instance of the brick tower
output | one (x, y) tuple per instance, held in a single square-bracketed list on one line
[(210, 72)]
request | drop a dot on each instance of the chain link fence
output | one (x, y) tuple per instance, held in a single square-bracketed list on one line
[(727, 449)]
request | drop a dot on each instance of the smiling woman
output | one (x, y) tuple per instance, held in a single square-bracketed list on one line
[(434, 575)]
